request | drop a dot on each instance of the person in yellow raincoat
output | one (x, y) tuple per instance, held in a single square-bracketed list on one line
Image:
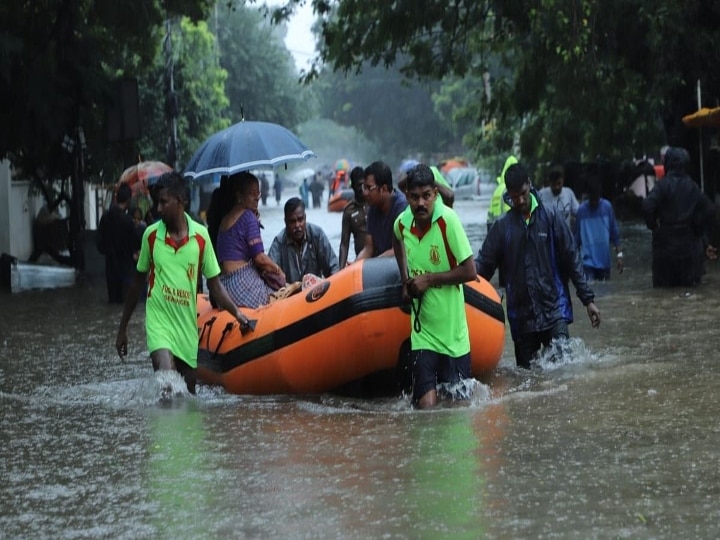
[(497, 206)]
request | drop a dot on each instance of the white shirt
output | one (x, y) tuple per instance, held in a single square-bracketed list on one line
[(565, 202)]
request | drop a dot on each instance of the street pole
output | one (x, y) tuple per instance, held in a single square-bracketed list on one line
[(171, 105), (700, 140)]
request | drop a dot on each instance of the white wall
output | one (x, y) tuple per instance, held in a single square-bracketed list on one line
[(23, 209), (18, 208), (4, 207)]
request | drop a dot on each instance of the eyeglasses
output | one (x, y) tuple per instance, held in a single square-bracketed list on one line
[(365, 187)]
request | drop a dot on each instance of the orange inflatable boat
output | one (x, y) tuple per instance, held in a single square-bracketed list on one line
[(349, 328), (340, 199)]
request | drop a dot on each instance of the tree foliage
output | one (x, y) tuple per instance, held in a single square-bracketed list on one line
[(262, 81), (58, 63), (199, 82), (397, 114), (575, 78)]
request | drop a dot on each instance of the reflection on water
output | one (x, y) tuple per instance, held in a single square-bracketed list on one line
[(617, 440)]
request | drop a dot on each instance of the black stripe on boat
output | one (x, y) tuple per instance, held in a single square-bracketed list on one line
[(376, 295)]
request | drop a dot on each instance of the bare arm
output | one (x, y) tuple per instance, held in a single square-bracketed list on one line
[(400, 257), (368, 249), (265, 264), (220, 295), (344, 239), (447, 194)]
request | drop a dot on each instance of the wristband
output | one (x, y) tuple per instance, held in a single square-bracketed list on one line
[(620, 255)]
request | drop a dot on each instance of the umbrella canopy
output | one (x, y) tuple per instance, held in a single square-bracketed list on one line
[(245, 146), (342, 165), (703, 118), (143, 174)]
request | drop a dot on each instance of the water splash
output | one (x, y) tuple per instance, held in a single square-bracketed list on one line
[(169, 385), (471, 391), (563, 353)]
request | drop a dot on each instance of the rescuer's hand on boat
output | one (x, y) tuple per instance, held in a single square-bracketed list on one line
[(245, 324)]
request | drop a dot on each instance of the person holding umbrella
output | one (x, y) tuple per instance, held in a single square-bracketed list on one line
[(173, 252)]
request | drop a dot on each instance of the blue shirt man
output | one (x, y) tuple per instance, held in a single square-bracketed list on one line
[(595, 229), (386, 204)]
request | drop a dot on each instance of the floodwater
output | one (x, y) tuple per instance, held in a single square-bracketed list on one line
[(621, 441)]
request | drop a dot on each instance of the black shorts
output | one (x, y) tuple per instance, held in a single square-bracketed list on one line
[(431, 368), (527, 346)]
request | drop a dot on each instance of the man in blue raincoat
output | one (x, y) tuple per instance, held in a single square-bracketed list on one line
[(535, 248)]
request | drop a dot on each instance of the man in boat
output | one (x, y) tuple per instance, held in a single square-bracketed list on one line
[(354, 218), (386, 204), (435, 258), (534, 247), (302, 248), (170, 252)]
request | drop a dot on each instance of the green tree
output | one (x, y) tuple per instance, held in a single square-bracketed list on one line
[(262, 81), (574, 78), (202, 106), (59, 61), (331, 141), (397, 113)]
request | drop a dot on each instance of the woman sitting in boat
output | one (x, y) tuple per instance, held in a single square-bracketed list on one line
[(245, 268)]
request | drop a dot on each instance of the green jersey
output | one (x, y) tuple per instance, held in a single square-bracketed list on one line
[(442, 309), (171, 307)]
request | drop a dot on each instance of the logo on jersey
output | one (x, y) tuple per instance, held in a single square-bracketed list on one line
[(191, 272), (434, 255)]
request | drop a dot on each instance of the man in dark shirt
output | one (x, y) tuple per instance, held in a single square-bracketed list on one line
[(118, 240), (386, 204), (302, 248)]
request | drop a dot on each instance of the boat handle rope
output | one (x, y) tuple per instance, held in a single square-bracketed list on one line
[(225, 332), (416, 311), (205, 327)]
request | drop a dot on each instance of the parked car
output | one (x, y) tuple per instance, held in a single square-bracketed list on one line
[(463, 181)]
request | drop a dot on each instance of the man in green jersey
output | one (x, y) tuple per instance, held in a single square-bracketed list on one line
[(435, 259), (172, 252)]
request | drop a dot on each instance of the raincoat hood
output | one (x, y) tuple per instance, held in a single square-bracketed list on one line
[(676, 160)]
